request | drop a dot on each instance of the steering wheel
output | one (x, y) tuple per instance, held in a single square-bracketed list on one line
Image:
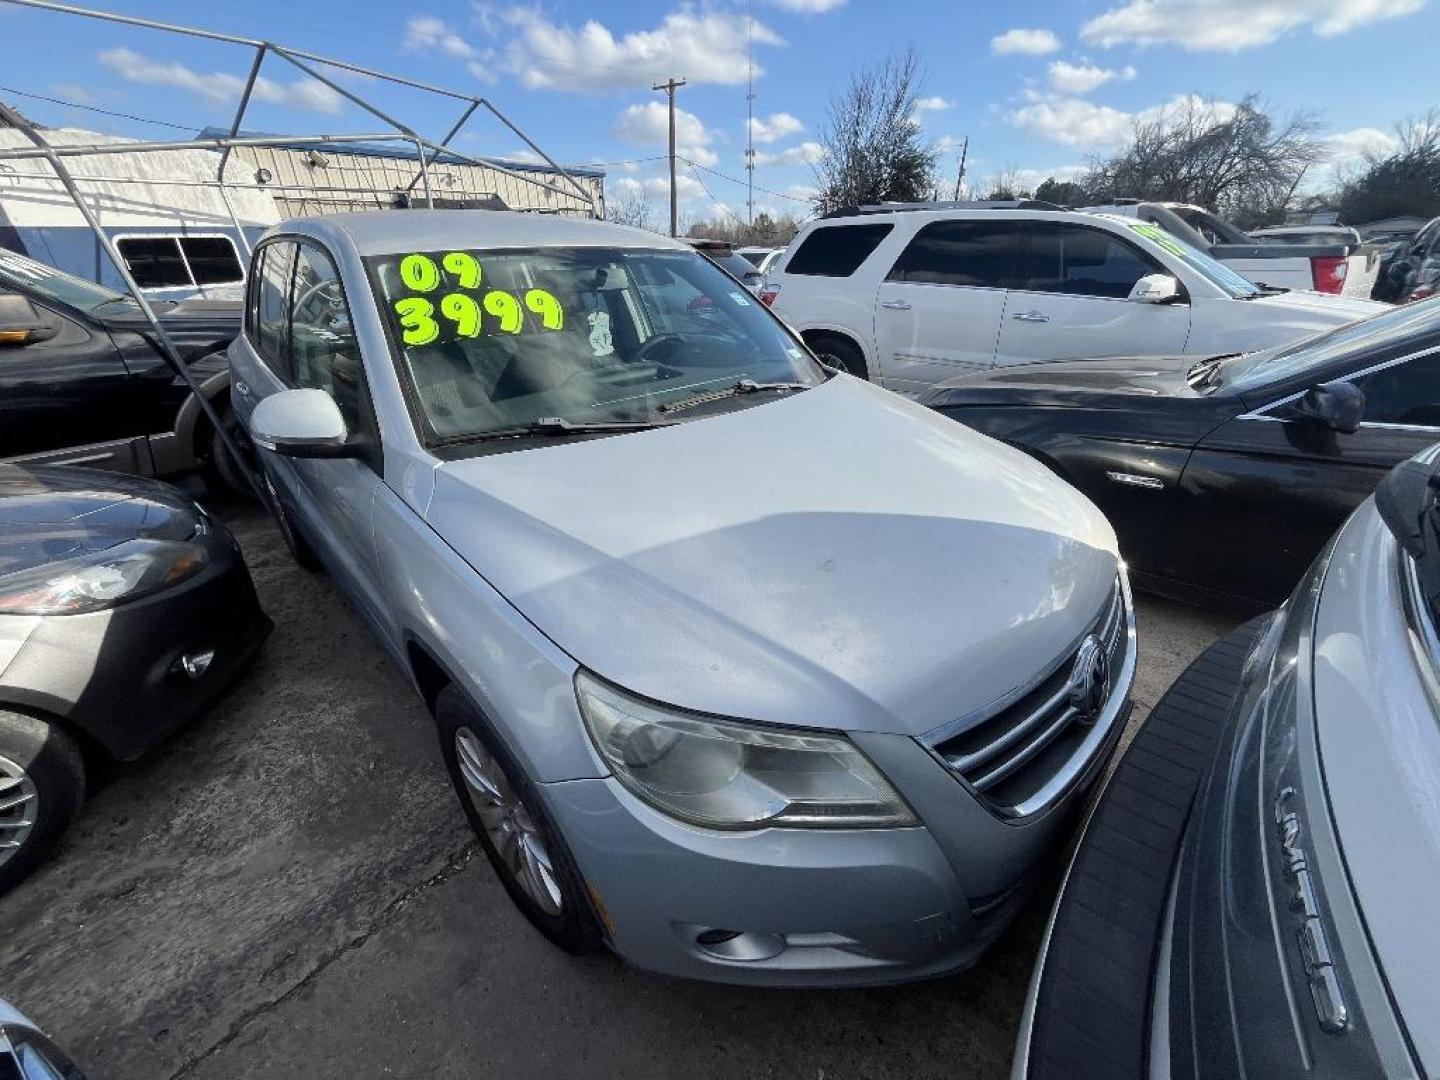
[(642, 354), (317, 289)]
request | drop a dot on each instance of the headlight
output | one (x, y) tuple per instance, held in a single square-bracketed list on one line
[(101, 579), (727, 775)]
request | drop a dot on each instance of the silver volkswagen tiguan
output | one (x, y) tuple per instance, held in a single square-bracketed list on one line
[(754, 672)]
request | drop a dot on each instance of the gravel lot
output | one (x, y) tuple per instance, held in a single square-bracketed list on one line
[(288, 888)]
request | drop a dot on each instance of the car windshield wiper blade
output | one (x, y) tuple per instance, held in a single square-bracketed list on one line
[(1202, 373), (744, 386), (552, 426)]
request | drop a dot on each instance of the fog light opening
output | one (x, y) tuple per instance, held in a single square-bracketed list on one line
[(195, 664), (739, 945)]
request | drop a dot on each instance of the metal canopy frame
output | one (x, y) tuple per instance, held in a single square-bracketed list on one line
[(309, 63)]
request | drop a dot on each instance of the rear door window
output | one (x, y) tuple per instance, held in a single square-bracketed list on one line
[(155, 262), (979, 254), (212, 259), (1077, 260), (836, 250)]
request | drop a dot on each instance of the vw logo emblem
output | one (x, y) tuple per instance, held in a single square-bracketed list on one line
[(1090, 680)]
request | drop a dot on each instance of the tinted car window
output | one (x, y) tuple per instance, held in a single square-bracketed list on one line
[(323, 352), (273, 293), (212, 259), (976, 253), (1407, 393), (1080, 261), (155, 262), (836, 250)]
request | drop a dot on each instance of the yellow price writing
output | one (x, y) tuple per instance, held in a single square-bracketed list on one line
[(419, 273), (417, 323)]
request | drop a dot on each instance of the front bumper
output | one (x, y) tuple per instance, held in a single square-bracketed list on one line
[(117, 674), (820, 907)]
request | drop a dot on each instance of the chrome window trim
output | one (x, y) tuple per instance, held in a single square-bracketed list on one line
[(1263, 410)]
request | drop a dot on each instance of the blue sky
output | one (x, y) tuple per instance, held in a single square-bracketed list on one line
[(1038, 87)]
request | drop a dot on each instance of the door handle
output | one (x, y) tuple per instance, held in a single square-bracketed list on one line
[(896, 305), (1030, 316)]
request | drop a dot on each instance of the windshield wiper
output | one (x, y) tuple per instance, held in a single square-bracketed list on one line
[(1202, 373), (552, 426), (744, 386)]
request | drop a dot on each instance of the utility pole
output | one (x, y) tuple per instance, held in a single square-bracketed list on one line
[(750, 117), (670, 87), (960, 176)]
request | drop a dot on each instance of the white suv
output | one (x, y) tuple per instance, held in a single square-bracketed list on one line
[(912, 295)]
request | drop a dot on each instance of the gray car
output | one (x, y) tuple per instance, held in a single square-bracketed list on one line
[(27, 1054), (752, 672), (1253, 895)]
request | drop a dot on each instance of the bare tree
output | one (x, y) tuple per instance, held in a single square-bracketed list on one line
[(633, 209), (874, 150), (1244, 162)]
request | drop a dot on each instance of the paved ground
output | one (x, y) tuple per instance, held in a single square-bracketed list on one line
[(288, 889)]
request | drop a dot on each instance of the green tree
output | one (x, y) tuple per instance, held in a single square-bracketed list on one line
[(1404, 182), (874, 150)]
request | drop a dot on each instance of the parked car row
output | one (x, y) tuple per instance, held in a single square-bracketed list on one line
[(752, 671)]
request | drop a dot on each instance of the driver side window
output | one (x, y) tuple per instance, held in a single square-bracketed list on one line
[(323, 350), (1406, 393)]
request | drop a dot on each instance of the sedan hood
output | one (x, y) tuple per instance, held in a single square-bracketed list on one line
[(841, 558), (49, 513)]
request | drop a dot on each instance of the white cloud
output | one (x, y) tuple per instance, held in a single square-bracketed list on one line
[(802, 191), (1346, 146), (1025, 42), (425, 33), (807, 153), (649, 125), (220, 88), (708, 47), (1075, 122), (687, 188), (1232, 25), (773, 128), (933, 104), (808, 7), (1082, 78)]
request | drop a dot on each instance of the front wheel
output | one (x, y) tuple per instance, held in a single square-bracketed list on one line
[(42, 785), (507, 815), (839, 353)]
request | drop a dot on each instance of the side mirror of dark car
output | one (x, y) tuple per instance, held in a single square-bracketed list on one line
[(1339, 406), (20, 323)]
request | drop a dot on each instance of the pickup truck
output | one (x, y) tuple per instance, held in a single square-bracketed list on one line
[(1340, 267), (84, 382)]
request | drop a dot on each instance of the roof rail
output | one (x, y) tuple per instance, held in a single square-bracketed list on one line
[(976, 204)]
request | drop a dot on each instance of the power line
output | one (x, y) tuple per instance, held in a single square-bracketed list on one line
[(95, 108), (733, 180)]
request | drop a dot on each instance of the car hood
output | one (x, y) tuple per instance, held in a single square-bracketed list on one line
[(49, 513), (1127, 377), (840, 558), (1323, 310)]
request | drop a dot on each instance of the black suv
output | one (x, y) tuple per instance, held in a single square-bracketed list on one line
[(83, 380)]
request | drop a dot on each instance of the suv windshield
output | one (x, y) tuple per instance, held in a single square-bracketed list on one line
[(1231, 283), (1254, 370), (20, 274), (492, 341)]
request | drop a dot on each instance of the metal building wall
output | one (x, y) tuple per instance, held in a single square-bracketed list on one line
[(358, 181)]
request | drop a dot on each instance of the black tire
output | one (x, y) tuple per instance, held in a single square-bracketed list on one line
[(573, 928), (51, 772), (838, 352), (223, 475), (299, 548)]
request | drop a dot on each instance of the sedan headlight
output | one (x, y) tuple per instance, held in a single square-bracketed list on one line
[(100, 579), (727, 775)]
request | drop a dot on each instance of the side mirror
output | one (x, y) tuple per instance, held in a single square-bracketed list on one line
[(20, 323), (1155, 289), (1339, 406), (302, 424)]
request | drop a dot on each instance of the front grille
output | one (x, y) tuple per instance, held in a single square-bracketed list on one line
[(1014, 756)]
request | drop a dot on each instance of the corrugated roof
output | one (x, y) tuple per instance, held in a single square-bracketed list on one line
[(407, 153)]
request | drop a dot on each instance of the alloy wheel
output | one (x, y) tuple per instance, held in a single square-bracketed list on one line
[(19, 807), (509, 826)]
